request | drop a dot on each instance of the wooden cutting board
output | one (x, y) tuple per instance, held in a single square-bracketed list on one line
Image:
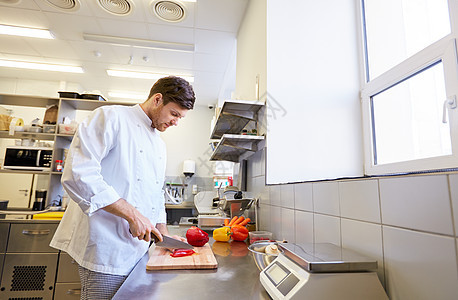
[(160, 259)]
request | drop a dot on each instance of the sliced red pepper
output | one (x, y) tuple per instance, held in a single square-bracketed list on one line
[(182, 252)]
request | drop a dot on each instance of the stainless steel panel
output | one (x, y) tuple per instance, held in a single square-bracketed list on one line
[(67, 291), (326, 257), (4, 229), (67, 270), (2, 257), (28, 275), (29, 237)]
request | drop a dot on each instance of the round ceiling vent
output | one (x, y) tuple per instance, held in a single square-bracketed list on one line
[(10, 2), (65, 5), (169, 11), (116, 7)]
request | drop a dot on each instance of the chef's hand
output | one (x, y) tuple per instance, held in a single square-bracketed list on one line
[(141, 228), (139, 225)]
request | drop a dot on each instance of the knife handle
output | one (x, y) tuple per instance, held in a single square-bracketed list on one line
[(154, 238)]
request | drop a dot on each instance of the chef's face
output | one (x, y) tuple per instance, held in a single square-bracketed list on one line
[(168, 115)]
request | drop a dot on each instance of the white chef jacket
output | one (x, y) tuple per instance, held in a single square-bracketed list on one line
[(114, 154)]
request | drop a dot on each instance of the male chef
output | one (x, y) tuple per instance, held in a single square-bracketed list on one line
[(114, 175)]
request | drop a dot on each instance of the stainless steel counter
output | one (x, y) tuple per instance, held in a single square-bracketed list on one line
[(236, 277)]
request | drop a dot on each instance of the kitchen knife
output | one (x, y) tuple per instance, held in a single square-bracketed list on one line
[(168, 242)]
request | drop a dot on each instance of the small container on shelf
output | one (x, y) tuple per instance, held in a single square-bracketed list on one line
[(36, 129), (48, 128), (59, 165), (69, 95), (68, 128)]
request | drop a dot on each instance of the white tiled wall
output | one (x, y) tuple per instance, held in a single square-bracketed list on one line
[(409, 224)]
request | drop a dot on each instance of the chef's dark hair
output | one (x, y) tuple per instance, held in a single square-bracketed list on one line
[(174, 89)]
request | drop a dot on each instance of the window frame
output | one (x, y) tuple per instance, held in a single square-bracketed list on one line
[(444, 50)]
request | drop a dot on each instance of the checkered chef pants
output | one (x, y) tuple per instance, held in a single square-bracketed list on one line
[(99, 286)]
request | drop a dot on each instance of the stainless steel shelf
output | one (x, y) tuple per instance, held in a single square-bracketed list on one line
[(232, 146), (234, 116)]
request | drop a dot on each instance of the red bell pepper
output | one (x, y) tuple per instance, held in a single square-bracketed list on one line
[(239, 233), (182, 252), (196, 236)]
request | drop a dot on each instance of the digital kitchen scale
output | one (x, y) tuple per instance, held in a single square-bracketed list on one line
[(321, 272)]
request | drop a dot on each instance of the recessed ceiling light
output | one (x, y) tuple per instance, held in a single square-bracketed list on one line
[(25, 31), (40, 66), (144, 75)]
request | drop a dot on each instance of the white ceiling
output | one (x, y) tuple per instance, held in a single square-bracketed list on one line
[(211, 25)]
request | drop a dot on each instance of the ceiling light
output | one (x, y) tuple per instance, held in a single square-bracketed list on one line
[(127, 95), (143, 75), (24, 31), (39, 66), (139, 43)]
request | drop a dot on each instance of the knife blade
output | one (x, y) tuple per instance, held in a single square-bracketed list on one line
[(168, 242)]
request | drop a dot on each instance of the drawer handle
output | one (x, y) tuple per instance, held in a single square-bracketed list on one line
[(74, 292), (36, 232)]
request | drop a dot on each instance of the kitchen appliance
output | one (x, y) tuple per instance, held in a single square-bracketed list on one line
[(213, 209), (209, 216), (40, 200), (28, 158), (321, 272)]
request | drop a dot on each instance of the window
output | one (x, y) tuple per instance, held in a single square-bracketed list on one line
[(408, 98)]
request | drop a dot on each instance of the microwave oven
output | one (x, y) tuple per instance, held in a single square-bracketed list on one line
[(28, 158)]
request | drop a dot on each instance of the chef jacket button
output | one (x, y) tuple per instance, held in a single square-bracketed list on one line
[(141, 151), (138, 179), (157, 181)]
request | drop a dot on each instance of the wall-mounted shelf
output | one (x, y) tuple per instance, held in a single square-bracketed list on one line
[(232, 146), (38, 172), (234, 116), (4, 134)]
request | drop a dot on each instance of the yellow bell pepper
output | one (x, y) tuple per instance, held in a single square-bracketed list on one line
[(222, 234)]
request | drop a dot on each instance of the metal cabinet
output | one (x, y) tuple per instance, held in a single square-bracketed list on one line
[(68, 282), (67, 291), (28, 276), (29, 264), (31, 237), (4, 230)]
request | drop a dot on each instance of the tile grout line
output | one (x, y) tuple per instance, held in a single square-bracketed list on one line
[(385, 279), (453, 219)]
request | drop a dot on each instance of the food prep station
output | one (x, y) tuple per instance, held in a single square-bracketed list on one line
[(236, 277), (313, 271)]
